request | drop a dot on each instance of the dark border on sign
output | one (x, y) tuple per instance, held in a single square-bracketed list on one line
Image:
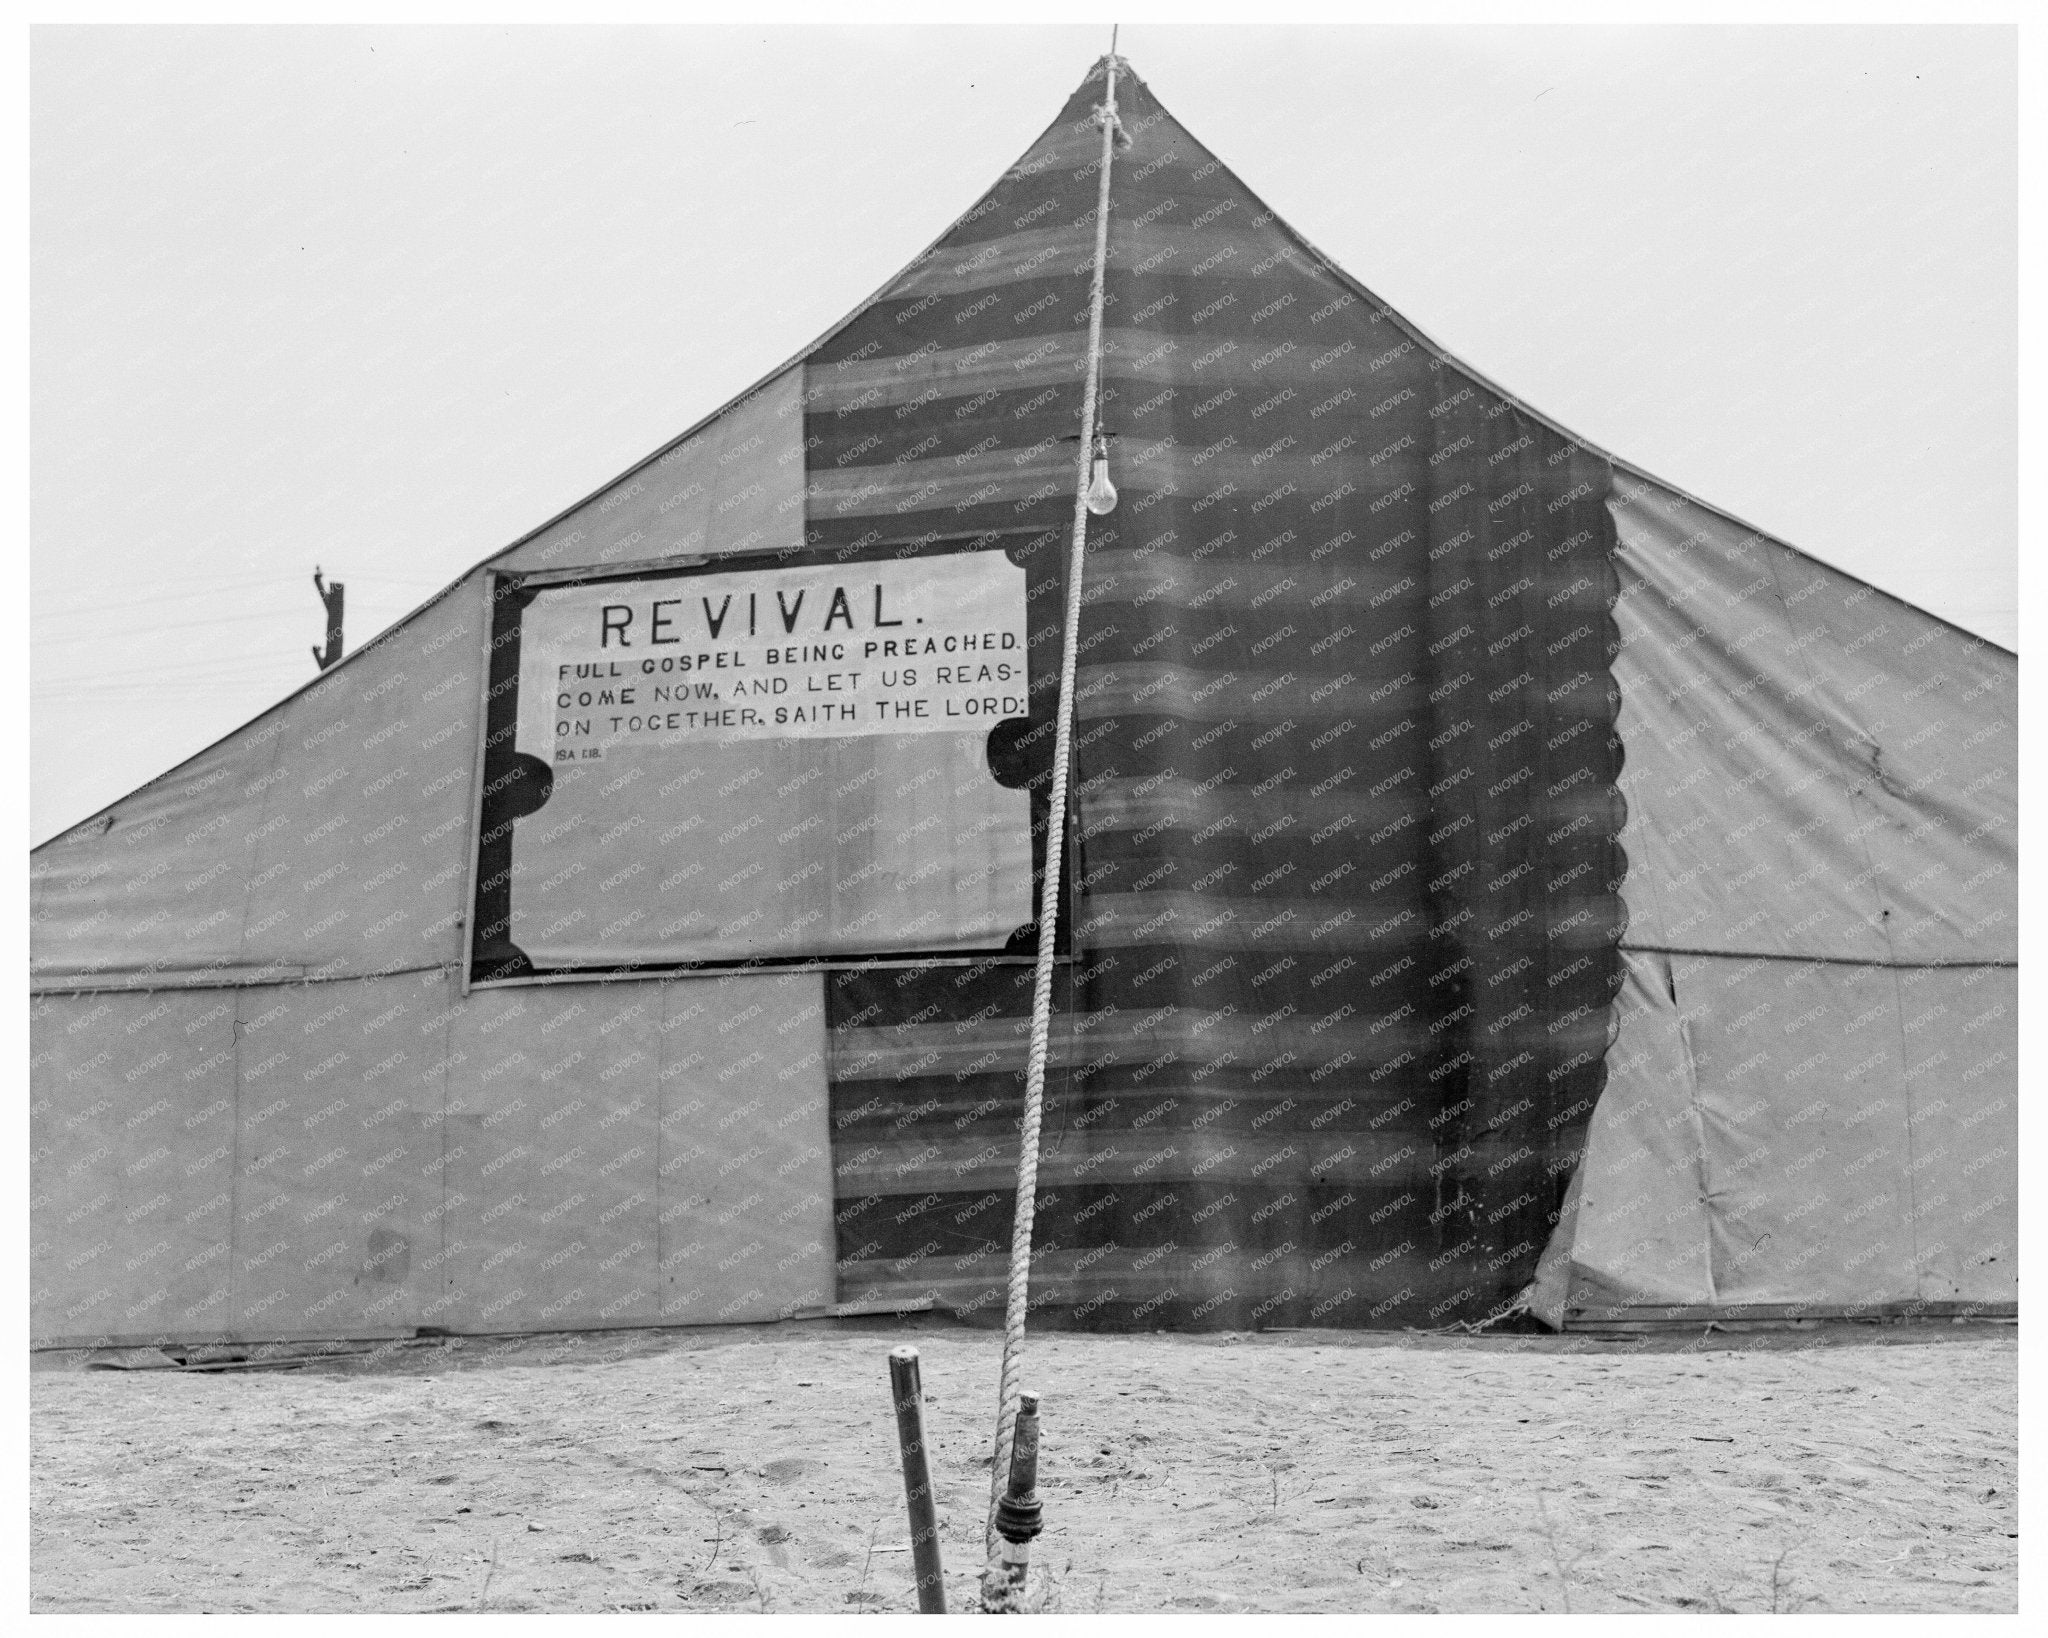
[(499, 769)]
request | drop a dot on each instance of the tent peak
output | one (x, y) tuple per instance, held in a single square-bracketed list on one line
[(1100, 68)]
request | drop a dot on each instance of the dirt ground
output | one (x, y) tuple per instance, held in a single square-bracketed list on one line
[(744, 1469)]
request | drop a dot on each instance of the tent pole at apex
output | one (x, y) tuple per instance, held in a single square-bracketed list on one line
[(1055, 840)]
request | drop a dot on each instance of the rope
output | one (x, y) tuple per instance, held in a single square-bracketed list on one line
[(1055, 848)]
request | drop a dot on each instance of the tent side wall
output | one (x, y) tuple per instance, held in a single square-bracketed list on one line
[(1813, 1095), (260, 1105), (367, 1156)]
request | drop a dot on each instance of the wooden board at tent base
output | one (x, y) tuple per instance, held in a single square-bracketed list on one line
[(1777, 1315)]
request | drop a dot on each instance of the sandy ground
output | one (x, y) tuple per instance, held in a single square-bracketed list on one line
[(756, 1469)]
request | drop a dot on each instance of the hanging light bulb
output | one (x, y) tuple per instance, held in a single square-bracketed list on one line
[(1101, 492)]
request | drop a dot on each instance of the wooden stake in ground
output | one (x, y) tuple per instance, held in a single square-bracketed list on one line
[(905, 1381)]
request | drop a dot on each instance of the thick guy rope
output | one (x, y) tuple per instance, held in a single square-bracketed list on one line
[(1055, 839)]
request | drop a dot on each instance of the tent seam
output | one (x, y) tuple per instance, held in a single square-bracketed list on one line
[(1699, 1127), (276, 981), (1824, 960), (1850, 789), (1912, 1181)]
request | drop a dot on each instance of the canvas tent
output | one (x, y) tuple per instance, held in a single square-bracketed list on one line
[(1494, 878)]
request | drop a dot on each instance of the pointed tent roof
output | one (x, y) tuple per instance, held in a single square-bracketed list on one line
[(737, 478), (1057, 139)]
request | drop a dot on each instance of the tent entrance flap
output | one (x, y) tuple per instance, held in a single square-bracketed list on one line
[(670, 1164)]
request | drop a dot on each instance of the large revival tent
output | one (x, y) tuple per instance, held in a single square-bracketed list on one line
[(1494, 880)]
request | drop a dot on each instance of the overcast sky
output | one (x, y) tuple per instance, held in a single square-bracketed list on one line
[(384, 299)]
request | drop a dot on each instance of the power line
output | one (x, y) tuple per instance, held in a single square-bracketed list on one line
[(192, 625), (84, 611)]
